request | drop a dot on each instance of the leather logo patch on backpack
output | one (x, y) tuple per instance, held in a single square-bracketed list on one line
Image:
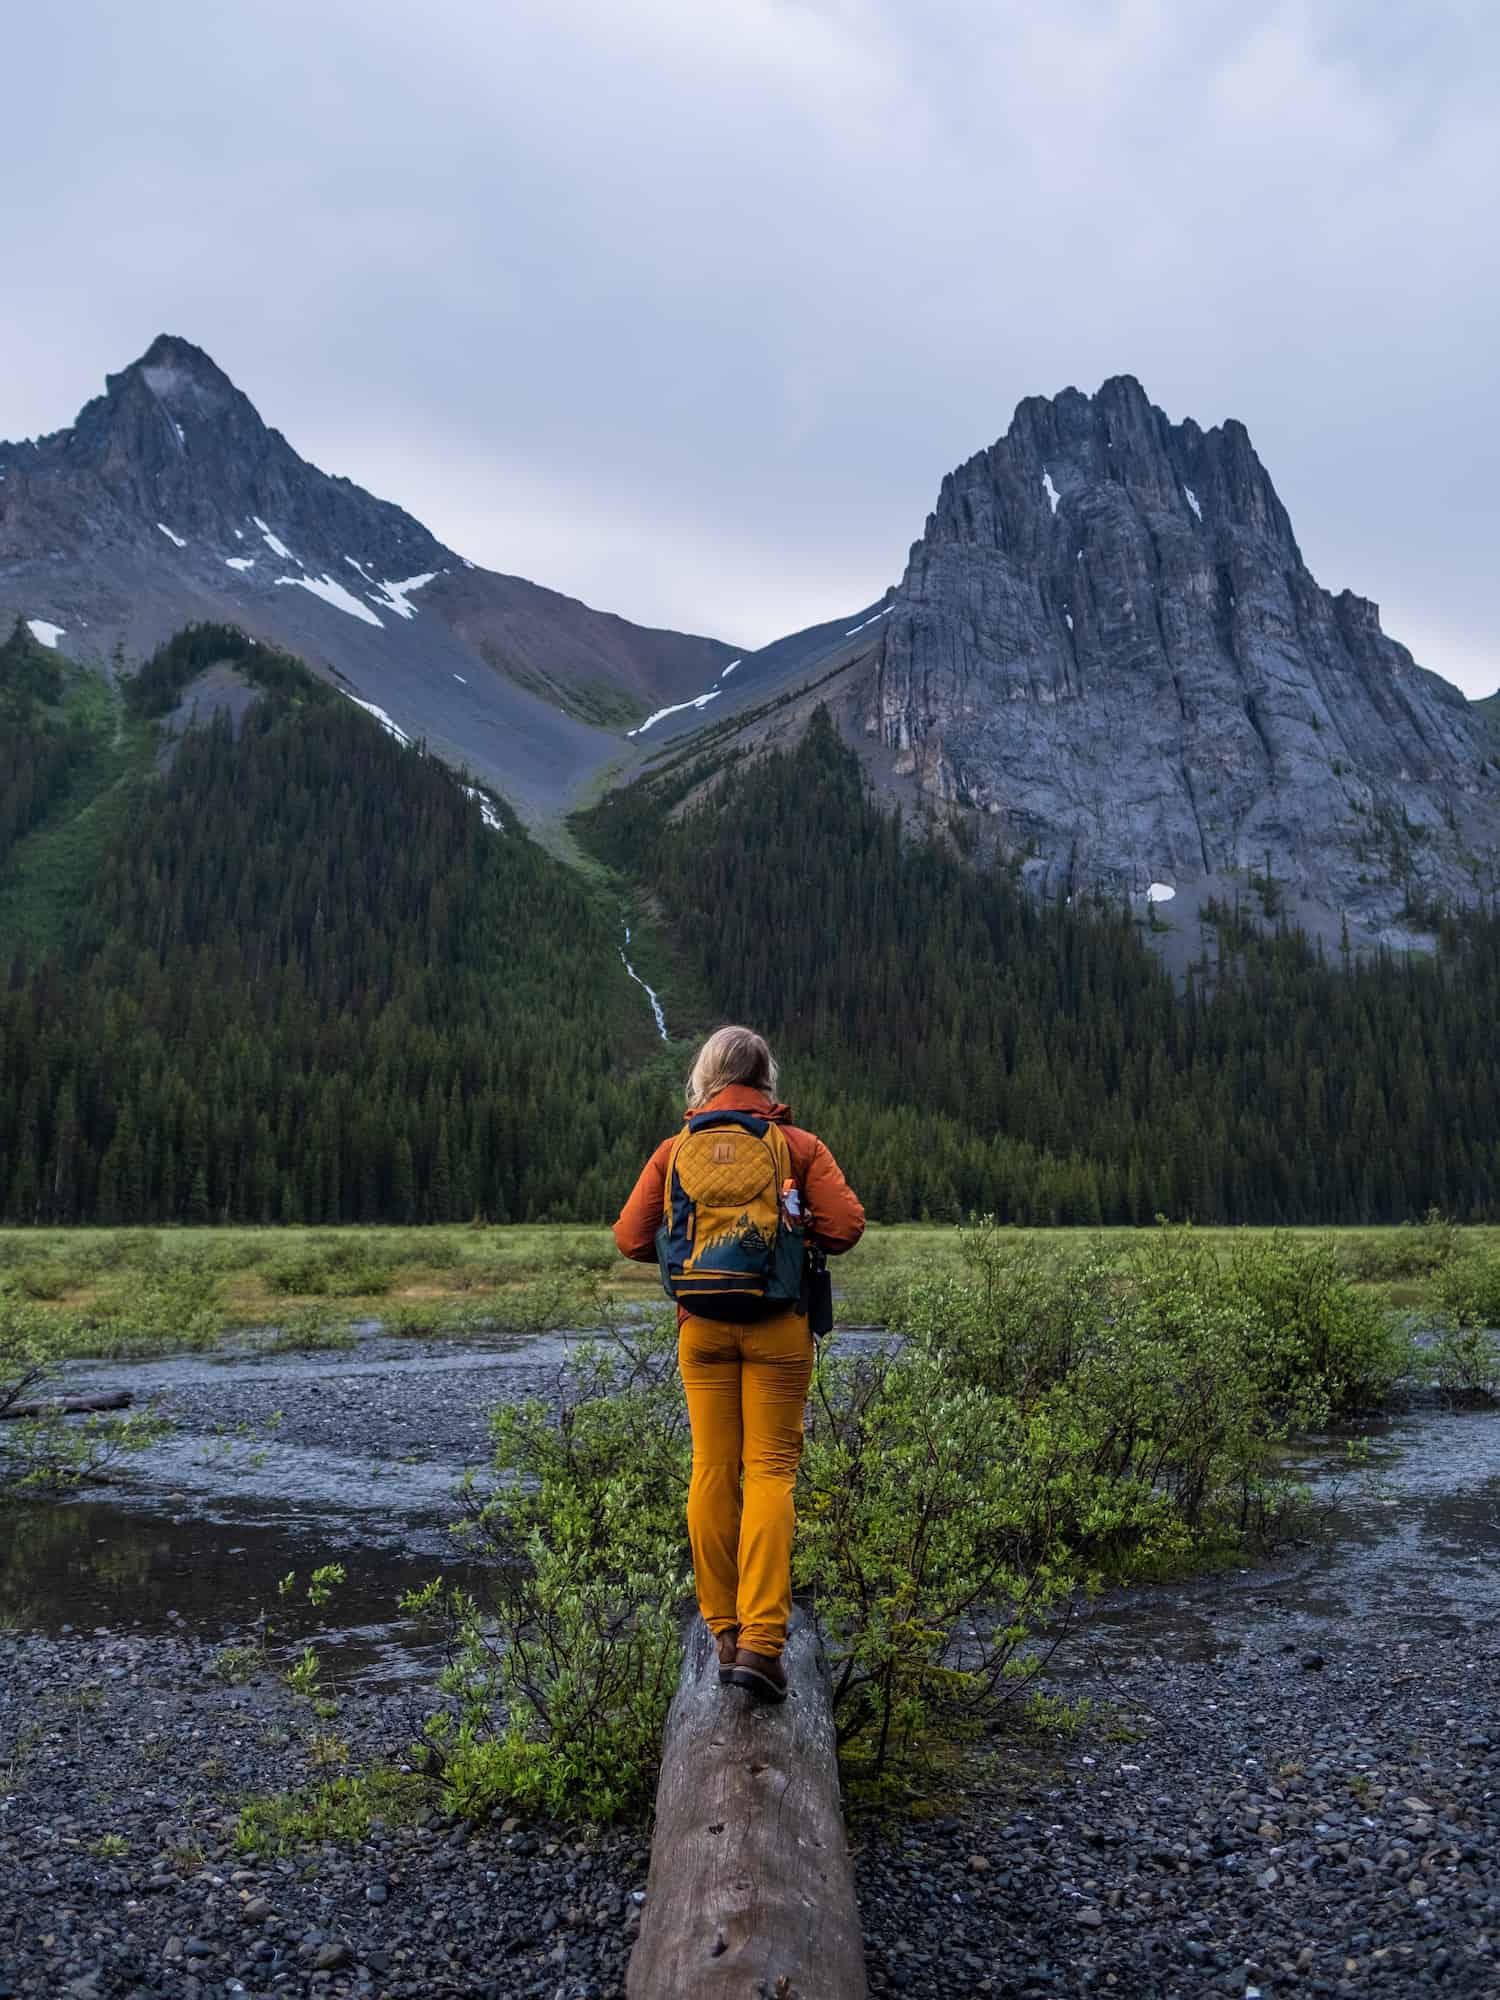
[(724, 1152)]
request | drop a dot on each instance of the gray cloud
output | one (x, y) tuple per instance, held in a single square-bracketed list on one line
[(687, 309)]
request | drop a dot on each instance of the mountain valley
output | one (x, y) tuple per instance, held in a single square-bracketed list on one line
[(1104, 866)]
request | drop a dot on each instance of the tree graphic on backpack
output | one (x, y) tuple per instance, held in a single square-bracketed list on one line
[(731, 1243)]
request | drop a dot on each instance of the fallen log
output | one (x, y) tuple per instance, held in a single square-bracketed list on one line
[(68, 1406), (750, 1894)]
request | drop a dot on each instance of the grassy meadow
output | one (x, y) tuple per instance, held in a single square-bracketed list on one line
[(138, 1291)]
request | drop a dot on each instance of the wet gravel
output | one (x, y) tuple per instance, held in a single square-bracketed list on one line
[(426, 1401), (1274, 1826), (1289, 1782), (123, 1761), (1266, 1825)]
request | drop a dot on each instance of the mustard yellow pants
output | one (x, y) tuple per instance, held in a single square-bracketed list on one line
[(746, 1392)]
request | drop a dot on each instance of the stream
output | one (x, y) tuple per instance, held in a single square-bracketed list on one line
[(281, 1463)]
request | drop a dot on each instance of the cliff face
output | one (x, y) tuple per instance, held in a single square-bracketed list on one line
[(1107, 640), (170, 500)]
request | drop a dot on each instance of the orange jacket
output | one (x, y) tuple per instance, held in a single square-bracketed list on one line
[(835, 1219)]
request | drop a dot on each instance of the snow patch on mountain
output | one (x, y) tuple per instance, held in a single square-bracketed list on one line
[(45, 634), (677, 707), (372, 708), (170, 536), (487, 811), (239, 562), (333, 592), (394, 594), (273, 542)]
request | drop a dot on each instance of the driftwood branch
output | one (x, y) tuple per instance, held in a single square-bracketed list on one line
[(68, 1406), (750, 1894)]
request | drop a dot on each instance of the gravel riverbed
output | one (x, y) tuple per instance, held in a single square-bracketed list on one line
[(1290, 1782)]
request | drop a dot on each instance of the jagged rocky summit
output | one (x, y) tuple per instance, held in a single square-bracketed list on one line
[(1108, 654), (170, 500), (1107, 641)]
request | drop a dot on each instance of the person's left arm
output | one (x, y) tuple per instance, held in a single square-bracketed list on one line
[(638, 1221)]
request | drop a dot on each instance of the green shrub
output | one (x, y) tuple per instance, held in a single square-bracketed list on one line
[(1037, 1429), (1468, 1291), (1042, 1429), (165, 1300), (51, 1450), (561, 1677), (1467, 1361), (341, 1810), (23, 1350), (1415, 1250), (340, 1267), (308, 1330), (919, 1547), (1321, 1348), (40, 1280), (1024, 1317), (543, 1307)]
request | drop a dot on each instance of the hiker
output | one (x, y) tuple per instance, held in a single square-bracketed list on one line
[(731, 1208)]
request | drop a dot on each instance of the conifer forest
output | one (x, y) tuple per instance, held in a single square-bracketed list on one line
[(281, 968)]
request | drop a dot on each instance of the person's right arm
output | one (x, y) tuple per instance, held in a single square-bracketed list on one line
[(836, 1217)]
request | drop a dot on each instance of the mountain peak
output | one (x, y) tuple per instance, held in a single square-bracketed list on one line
[(1107, 639), (171, 350), (180, 375), (1072, 456)]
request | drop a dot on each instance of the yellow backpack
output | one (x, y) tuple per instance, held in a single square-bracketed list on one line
[(731, 1242)]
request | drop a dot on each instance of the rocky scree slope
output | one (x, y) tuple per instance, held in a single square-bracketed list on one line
[(1108, 650), (170, 501)]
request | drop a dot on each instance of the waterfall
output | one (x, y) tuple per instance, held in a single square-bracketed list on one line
[(661, 1019)]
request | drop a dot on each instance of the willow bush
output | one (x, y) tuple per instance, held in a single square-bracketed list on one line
[(1028, 1433), (561, 1672), (51, 1450)]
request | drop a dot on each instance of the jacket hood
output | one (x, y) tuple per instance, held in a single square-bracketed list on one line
[(739, 1097)]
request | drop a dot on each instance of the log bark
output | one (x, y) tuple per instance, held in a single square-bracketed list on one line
[(115, 1399), (750, 1894)]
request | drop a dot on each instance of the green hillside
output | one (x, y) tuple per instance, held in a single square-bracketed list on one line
[(294, 975), (976, 1049), (64, 746)]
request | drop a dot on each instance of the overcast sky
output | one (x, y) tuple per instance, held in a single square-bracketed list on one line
[(686, 306)]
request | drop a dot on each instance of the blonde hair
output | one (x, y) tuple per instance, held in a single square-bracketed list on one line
[(729, 1056)]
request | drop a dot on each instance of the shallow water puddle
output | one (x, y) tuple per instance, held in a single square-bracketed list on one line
[(85, 1564)]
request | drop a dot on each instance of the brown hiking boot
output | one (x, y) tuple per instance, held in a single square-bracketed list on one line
[(726, 1644), (758, 1674)]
